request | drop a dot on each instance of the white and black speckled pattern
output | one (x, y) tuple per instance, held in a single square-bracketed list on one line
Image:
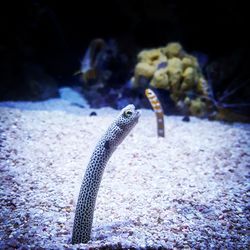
[(115, 134)]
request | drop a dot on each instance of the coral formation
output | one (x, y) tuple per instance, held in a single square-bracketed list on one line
[(171, 68)]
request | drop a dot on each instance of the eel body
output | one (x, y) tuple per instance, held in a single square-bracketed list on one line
[(114, 135), (156, 105)]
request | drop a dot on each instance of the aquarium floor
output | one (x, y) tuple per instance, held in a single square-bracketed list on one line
[(187, 190)]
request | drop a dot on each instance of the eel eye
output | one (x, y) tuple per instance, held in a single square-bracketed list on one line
[(128, 113)]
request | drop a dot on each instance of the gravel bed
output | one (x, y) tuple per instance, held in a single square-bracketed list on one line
[(188, 190)]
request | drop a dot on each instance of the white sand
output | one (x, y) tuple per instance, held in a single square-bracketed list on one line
[(188, 190)]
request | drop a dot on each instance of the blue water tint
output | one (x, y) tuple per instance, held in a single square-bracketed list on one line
[(71, 102)]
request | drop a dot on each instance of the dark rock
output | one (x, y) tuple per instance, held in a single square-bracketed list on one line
[(186, 119), (93, 113)]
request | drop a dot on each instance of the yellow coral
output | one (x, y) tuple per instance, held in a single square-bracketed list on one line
[(161, 60), (191, 61), (185, 86), (171, 68), (189, 74), (188, 79), (175, 65), (144, 69), (187, 62), (174, 71), (149, 56), (173, 50), (197, 107), (160, 79)]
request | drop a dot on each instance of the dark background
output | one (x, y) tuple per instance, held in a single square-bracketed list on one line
[(42, 42)]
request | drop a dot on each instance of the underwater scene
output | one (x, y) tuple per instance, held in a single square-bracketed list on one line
[(124, 125)]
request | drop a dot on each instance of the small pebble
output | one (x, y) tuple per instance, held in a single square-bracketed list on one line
[(93, 113), (186, 119)]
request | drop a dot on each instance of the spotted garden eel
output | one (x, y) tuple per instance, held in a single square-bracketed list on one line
[(115, 134)]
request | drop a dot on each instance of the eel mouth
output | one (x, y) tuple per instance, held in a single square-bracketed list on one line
[(137, 114)]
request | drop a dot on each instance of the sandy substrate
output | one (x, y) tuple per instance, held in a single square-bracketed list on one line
[(188, 190)]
